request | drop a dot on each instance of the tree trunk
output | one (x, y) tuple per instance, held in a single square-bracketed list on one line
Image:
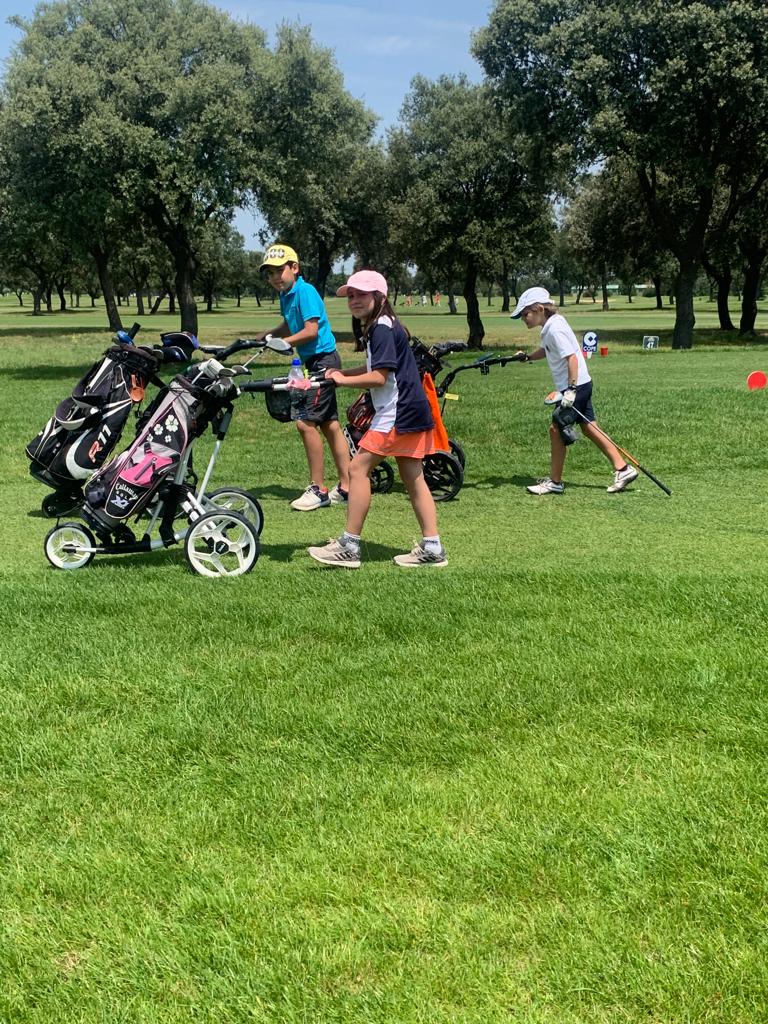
[(324, 267), (62, 298), (561, 289), (722, 278), (504, 282), (139, 299), (452, 304), (237, 295), (474, 323), (49, 300), (107, 288), (258, 301), (723, 293), (20, 297), (657, 289), (37, 298), (629, 294), (490, 295), (156, 304), (184, 263), (752, 275), (685, 319)]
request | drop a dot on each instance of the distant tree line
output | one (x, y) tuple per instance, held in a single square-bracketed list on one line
[(622, 143)]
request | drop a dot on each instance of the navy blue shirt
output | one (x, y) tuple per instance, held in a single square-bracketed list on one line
[(400, 402)]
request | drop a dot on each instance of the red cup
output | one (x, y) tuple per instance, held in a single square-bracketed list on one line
[(603, 350)]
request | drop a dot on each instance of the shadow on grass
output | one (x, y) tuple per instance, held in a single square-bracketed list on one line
[(521, 481), (40, 331), (371, 552), (70, 373)]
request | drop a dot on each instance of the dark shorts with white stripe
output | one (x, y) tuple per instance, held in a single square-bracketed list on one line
[(321, 407)]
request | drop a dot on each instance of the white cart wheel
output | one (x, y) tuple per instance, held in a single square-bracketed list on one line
[(234, 499), (65, 543), (222, 544)]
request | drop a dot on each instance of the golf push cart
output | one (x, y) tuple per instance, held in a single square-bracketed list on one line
[(151, 481)]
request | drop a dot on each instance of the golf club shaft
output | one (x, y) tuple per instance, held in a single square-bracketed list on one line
[(625, 453)]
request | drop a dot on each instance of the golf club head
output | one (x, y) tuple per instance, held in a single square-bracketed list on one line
[(277, 344)]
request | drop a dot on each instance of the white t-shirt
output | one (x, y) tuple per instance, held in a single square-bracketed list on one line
[(559, 342)]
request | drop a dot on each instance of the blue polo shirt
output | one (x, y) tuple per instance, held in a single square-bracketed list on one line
[(303, 303)]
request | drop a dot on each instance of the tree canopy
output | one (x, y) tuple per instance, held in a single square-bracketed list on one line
[(677, 88)]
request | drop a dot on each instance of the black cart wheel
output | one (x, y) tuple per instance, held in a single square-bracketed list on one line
[(444, 475), (382, 478), (458, 451)]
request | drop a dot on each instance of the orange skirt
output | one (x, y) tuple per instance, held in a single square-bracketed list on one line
[(412, 446)]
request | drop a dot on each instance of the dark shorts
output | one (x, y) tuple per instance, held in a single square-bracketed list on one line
[(321, 407), (583, 404)]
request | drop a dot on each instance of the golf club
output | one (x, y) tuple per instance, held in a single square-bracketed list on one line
[(556, 396)]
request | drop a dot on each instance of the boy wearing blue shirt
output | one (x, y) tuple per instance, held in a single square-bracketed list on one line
[(305, 326)]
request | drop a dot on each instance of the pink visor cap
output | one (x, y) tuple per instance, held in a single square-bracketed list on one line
[(365, 281)]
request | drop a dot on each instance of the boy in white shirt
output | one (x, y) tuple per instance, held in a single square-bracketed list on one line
[(570, 377)]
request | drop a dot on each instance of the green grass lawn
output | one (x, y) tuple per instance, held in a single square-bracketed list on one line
[(530, 787)]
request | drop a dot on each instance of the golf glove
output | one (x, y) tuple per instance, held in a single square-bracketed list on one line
[(522, 357), (569, 397)]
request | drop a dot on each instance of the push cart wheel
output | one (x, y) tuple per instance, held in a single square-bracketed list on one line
[(64, 546), (222, 544), (444, 475), (234, 499), (458, 451), (382, 478), (61, 503)]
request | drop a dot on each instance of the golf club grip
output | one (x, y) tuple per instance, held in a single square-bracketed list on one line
[(642, 469)]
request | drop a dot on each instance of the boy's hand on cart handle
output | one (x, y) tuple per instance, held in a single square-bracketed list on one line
[(569, 397), (522, 356), (334, 376)]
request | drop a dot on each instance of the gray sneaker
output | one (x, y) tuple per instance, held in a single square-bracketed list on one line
[(346, 556), (622, 478), (338, 496), (311, 499), (545, 486), (421, 556)]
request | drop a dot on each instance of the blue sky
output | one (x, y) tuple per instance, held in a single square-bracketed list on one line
[(378, 48)]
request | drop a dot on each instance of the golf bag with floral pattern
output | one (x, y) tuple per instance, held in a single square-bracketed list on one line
[(125, 486)]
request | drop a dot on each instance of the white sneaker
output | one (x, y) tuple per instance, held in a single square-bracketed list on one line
[(545, 486), (337, 496), (422, 556), (311, 499), (622, 478), (346, 556)]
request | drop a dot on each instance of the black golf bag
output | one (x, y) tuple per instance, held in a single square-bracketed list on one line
[(131, 481), (85, 428)]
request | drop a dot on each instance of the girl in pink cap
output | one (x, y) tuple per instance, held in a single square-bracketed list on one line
[(401, 428)]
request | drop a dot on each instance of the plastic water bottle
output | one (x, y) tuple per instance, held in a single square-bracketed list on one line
[(295, 374)]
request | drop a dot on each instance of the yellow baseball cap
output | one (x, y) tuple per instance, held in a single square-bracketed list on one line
[(278, 255)]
